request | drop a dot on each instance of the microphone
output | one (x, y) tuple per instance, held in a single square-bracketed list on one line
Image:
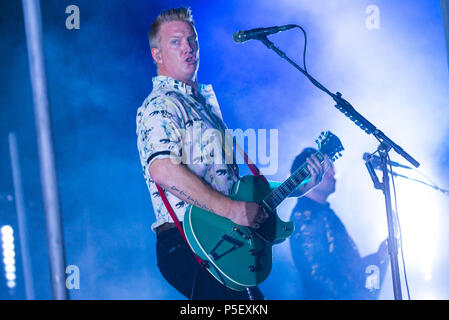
[(242, 36), (377, 162)]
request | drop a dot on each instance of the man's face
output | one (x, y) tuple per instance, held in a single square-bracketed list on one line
[(178, 56)]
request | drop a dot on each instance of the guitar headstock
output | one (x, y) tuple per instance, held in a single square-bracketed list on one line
[(330, 144)]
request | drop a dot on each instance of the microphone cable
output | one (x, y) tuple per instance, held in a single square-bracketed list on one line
[(305, 48)]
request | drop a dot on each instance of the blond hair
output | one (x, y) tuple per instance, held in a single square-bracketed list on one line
[(174, 14)]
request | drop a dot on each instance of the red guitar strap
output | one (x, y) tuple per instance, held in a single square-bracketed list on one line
[(175, 219), (254, 170)]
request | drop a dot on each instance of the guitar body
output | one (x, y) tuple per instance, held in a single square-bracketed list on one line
[(238, 256)]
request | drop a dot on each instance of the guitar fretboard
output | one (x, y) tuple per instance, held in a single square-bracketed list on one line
[(274, 199)]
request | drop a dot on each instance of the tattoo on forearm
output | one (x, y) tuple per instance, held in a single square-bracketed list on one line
[(191, 200)]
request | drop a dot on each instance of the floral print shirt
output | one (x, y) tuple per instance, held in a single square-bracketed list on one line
[(173, 123)]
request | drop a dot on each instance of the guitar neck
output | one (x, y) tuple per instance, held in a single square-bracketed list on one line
[(274, 199)]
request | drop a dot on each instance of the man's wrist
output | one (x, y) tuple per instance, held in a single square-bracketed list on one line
[(229, 208)]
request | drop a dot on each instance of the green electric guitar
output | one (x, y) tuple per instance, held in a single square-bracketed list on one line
[(239, 256)]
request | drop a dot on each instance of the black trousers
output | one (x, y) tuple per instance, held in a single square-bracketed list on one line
[(179, 267)]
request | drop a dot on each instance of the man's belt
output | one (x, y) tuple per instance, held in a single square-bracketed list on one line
[(164, 227)]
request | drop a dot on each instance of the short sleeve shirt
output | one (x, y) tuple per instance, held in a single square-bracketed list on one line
[(173, 123)]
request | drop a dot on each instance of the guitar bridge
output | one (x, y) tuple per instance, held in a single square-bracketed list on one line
[(236, 244)]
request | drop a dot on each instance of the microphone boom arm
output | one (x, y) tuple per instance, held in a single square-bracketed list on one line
[(346, 108)]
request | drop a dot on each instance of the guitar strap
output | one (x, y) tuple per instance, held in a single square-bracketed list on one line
[(254, 170), (176, 221)]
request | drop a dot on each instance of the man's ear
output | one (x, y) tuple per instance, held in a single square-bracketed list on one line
[(156, 54)]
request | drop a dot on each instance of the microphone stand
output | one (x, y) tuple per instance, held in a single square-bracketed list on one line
[(386, 144), (392, 238)]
